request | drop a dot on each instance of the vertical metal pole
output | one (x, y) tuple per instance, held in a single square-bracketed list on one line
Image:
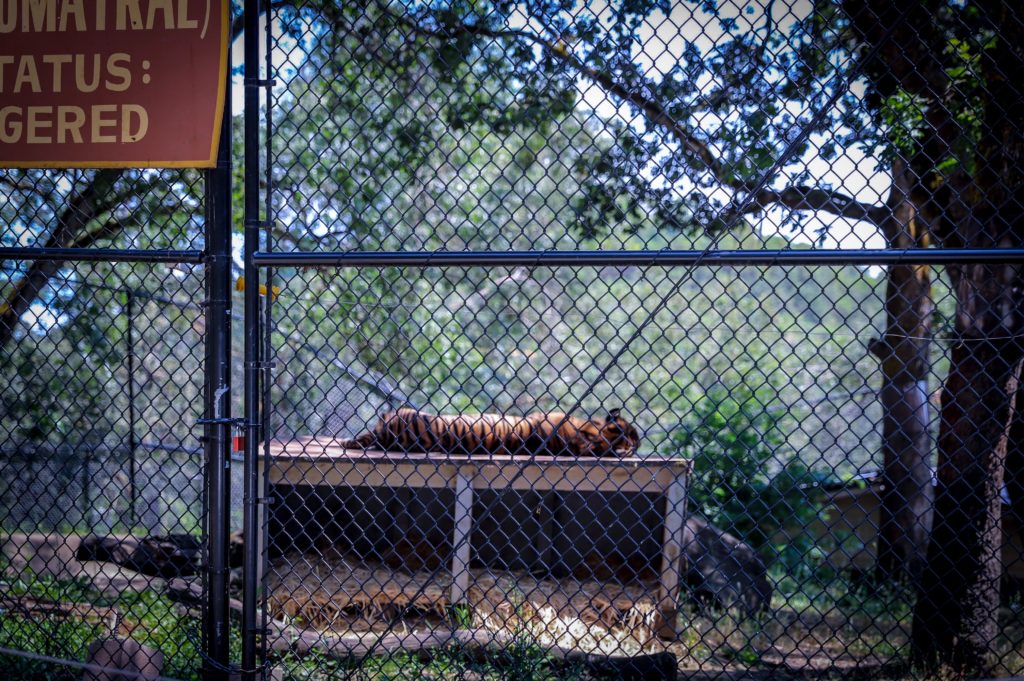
[(266, 354), (250, 524), (132, 444), (217, 401)]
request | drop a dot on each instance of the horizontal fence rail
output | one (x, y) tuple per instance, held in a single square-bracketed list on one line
[(835, 257), (101, 255)]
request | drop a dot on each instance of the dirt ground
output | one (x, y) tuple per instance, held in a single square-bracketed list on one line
[(329, 593)]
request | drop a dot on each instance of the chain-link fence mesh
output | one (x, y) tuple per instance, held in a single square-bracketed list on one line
[(595, 340), (507, 234), (102, 500)]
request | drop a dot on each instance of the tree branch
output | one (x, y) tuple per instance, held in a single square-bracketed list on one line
[(8, 181), (802, 197), (654, 111), (796, 198), (80, 210), (108, 229)]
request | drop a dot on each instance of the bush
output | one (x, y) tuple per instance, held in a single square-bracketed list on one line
[(745, 478)]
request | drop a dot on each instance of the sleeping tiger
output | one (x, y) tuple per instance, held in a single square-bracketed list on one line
[(555, 434)]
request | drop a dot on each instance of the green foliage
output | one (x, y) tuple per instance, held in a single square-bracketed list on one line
[(64, 639), (460, 616), (903, 115), (745, 479), (65, 378), (964, 70), (70, 399), (519, 661), (737, 91), (154, 621), (163, 625), (158, 622)]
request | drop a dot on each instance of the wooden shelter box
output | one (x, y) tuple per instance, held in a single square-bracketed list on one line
[(616, 520)]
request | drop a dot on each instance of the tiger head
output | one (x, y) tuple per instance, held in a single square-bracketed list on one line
[(615, 436)]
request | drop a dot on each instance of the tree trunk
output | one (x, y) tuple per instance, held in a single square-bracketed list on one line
[(905, 512), (974, 202), (82, 209), (955, 618)]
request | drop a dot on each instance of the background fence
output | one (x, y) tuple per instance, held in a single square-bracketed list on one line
[(779, 241)]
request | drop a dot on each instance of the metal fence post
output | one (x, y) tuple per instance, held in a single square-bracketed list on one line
[(217, 402), (251, 380)]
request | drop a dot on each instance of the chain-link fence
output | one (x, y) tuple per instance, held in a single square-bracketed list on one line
[(105, 305), (573, 340), (115, 364), (691, 351)]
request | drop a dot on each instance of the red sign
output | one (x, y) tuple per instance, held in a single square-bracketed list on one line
[(112, 83)]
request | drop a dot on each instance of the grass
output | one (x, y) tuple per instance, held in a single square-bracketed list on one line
[(521, 661), (518, 663), (523, 658), (148, 617), (63, 639), (823, 624), (818, 617), (153, 620), (842, 629)]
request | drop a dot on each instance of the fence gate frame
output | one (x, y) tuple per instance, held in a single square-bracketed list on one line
[(217, 418), (259, 268)]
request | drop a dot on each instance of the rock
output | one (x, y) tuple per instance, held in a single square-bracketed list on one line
[(167, 556), (174, 555), (723, 570), (121, 659)]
